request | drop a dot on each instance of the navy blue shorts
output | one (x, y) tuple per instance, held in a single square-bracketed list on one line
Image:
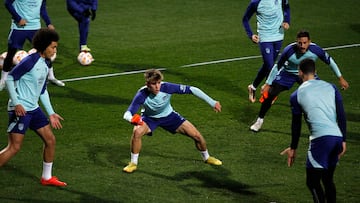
[(323, 152), (286, 79), (33, 119), (17, 38), (170, 123)]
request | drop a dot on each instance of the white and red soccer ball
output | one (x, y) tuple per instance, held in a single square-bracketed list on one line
[(19, 56), (85, 58)]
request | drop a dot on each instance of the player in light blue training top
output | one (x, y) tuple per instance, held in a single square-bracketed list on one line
[(324, 113), (26, 84), (273, 17), (26, 15), (285, 73), (158, 112)]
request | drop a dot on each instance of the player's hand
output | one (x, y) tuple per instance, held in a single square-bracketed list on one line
[(93, 14), (291, 153), (19, 110), (51, 27), (343, 150), (255, 38), (285, 25), (87, 13), (344, 84), (22, 22), (217, 107), (136, 120), (265, 88), (55, 121)]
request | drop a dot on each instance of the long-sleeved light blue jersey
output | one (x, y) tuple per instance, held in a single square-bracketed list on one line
[(26, 83), (30, 10), (290, 58), (158, 106), (323, 109), (270, 15)]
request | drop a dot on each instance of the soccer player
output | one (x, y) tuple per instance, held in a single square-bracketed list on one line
[(273, 17), (26, 84), (158, 112), (82, 10), (285, 73), (25, 22), (325, 116)]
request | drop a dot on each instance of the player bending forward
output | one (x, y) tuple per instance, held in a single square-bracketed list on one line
[(155, 99)]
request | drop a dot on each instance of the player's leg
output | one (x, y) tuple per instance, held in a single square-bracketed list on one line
[(84, 24), (135, 145), (190, 130), (266, 104), (329, 185), (313, 177), (15, 141)]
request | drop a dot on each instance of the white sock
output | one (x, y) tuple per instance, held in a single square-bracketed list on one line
[(205, 155), (134, 158), (51, 75), (47, 167), (261, 120), (4, 75)]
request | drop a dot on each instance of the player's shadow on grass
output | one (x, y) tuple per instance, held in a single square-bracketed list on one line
[(35, 181), (90, 98)]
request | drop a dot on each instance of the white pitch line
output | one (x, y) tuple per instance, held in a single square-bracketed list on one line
[(193, 65)]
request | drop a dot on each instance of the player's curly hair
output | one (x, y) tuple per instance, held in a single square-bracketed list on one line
[(43, 38), (153, 75)]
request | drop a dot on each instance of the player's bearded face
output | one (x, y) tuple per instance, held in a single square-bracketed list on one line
[(303, 44), (154, 86)]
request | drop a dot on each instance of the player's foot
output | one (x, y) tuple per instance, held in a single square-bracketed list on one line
[(85, 48), (257, 125), (251, 90), (2, 85), (131, 167), (57, 82), (53, 181), (213, 161)]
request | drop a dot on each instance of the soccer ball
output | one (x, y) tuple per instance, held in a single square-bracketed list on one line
[(85, 58), (31, 51), (2, 58), (19, 56)]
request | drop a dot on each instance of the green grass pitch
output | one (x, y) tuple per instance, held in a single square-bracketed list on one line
[(93, 146)]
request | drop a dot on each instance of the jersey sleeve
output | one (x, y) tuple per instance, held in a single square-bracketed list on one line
[(251, 9), (326, 58), (12, 11), (44, 14), (340, 112), (286, 10), (296, 120)]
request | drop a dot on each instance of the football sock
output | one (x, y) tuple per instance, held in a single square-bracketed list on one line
[(4, 75), (47, 167), (205, 155), (134, 158), (51, 73)]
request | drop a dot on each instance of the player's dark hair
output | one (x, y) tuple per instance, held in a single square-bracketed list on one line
[(303, 33), (43, 38), (153, 75), (307, 66)]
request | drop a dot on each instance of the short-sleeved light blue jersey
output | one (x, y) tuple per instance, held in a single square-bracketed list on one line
[(318, 100), (270, 15), (158, 106), (30, 10), (26, 82), (290, 58)]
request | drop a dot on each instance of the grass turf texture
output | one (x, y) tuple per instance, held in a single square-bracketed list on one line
[(93, 146)]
